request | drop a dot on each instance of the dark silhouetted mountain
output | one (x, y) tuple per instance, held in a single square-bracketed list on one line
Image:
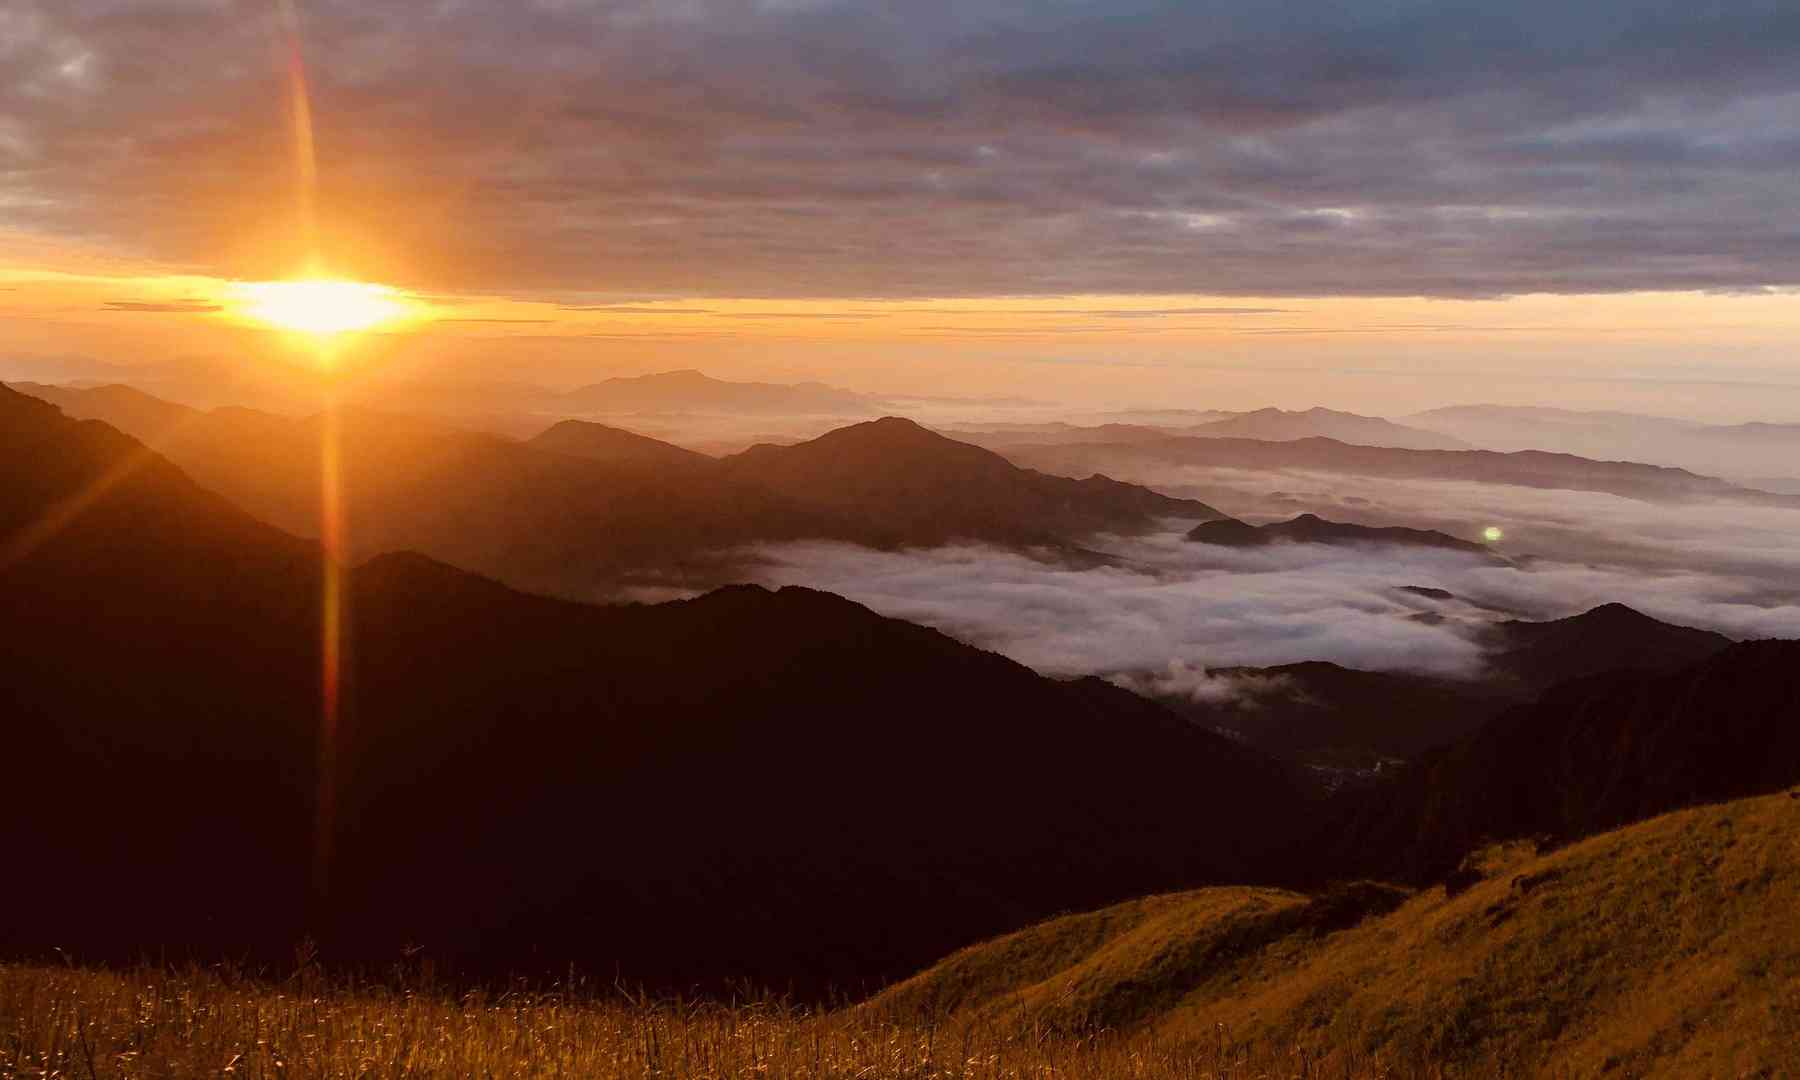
[(1342, 724), (1312, 529), (775, 786), (931, 489), (1281, 426), (1608, 638), (1350, 727), (577, 525), (124, 407), (1589, 756), (578, 438), (1527, 468), (691, 391)]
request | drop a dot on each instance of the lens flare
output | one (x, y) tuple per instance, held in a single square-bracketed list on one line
[(1493, 534)]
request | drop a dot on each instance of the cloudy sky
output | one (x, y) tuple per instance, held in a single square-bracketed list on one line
[(1380, 204)]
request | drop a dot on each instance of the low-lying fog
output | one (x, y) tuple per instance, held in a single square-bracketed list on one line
[(1170, 609)]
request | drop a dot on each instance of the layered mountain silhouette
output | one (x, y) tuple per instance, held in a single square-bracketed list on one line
[(1526, 468), (1609, 638), (1281, 425), (934, 489), (1733, 450), (597, 442), (1349, 727), (1312, 529), (583, 507), (775, 786), (692, 391)]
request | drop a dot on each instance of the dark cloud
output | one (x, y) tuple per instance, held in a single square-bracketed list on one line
[(837, 148), (168, 307)]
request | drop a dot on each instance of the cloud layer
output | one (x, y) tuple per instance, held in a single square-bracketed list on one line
[(1170, 611), (831, 147)]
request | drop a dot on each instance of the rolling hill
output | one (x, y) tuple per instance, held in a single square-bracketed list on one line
[(1667, 949), (740, 786)]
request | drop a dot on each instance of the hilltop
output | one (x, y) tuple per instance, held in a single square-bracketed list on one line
[(1670, 948)]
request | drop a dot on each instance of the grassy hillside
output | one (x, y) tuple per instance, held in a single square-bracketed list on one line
[(1669, 948), (95, 1025)]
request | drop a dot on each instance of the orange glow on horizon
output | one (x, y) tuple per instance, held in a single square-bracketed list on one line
[(320, 307)]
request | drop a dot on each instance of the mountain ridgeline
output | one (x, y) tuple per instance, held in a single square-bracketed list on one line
[(583, 507), (687, 793), (782, 788)]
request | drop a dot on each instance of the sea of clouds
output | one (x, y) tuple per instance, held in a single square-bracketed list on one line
[(1164, 613)]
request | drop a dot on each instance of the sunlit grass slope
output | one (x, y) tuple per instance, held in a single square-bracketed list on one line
[(1669, 948)]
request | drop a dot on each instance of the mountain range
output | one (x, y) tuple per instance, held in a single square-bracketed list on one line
[(1526, 468), (1738, 451), (1347, 727), (1273, 425), (582, 507), (684, 793)]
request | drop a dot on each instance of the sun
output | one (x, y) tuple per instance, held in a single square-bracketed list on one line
[(321, 307)]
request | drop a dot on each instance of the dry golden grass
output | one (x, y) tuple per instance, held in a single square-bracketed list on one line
[(149, 1023), (1671, 948)]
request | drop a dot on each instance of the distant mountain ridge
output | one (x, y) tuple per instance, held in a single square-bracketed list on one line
[(1280, 425), (693, 391), (584, 506), (1736, 451), (1526, 468)]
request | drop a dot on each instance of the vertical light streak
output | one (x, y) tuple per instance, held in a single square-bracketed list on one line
[(331, 505), (331, 638)]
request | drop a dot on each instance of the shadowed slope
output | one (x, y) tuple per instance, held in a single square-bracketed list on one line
[(1590, 755)]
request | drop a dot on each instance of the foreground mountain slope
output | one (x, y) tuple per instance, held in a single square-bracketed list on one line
[(935, 489), (1670, 948), (779, 787)]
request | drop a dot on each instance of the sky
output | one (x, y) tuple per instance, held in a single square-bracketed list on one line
[(1385, 205)]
